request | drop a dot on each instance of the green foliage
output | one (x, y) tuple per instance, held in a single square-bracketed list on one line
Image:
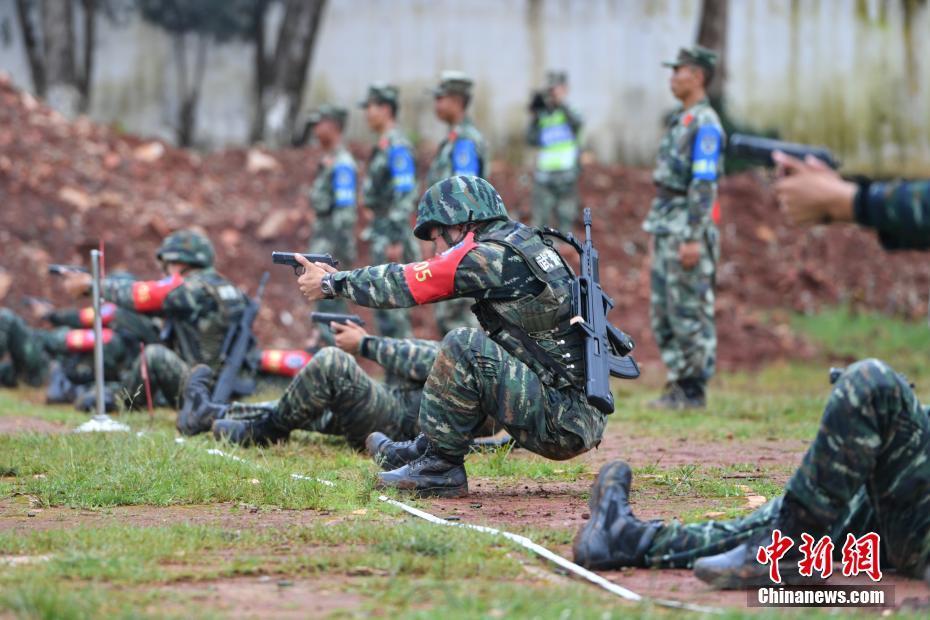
[(220, 19)]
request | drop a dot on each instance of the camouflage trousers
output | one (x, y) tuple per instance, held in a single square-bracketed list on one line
[(681, 309), (393, 323), (166, 372), (556, 200), (27, 358), (868, 470), (333, 395), (473, 379)]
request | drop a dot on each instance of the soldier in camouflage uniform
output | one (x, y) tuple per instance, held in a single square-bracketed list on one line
[(198, 304), (22, 355), (333, 196), (525, 369), (462, 152), (390, 194), (555, 130), (685, 247), (868, 469), (331, 394)]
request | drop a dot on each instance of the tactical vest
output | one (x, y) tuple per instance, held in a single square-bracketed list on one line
[(220, 305), (558, 145), (536, 330)]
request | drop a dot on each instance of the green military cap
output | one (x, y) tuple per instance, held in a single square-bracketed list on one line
[(329, 112), (556, 78), (696, 55), (453, 83), (380, 92)]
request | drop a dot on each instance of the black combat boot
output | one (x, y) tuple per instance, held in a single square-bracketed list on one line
[(613, 538), (430, 475), (393, 454), (86, 399), (738, 568), (694, 393), (60, 389), (7, 375), (259, 431), (197, 412)]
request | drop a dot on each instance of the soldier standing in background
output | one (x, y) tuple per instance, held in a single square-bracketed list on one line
[(333, 195), (462, 152), (686, 245), (390, 194), (555, 129)]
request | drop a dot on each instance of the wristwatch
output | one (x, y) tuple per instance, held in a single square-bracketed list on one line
[(326, 285)]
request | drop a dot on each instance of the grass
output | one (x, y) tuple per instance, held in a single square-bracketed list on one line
[(110, 565)]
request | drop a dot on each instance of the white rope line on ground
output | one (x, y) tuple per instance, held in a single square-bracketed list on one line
[(523, 541)]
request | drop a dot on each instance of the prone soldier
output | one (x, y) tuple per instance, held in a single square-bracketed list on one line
[(868, 468), (390, 194), (22, 354)]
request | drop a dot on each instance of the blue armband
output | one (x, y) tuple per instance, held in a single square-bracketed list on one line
[(343, 186), (465, 159), (403, 171), (705, 153)]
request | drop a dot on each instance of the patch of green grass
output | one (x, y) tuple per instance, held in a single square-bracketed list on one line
[(61, 601), (503, 462)]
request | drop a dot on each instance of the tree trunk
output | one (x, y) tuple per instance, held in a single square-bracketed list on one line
[(87, 68), (287, 74), (31, 43), (712, 34), (261, 70), (62, 91)]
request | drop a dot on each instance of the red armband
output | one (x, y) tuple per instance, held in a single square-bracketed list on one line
[(434, 279), (149, 296), (715, 212), (82, 340), (284, 362), (107, 312)]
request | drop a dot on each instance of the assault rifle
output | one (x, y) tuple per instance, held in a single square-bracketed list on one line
[(288, 258), (59, 270), (607, 350), (239, 339), (334, 317), (759, 150)]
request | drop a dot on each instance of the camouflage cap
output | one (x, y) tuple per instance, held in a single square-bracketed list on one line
[(458, 200), (696, 55), (453, 83), (188, 247), (328, 112), (380, 92), (556, 78)]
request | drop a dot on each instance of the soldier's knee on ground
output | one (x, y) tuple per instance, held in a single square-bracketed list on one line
[(329, 361)]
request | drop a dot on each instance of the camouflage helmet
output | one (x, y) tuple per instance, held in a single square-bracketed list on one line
[(188, 247), (458, 200)]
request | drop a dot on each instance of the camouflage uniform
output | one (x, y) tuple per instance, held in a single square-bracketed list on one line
[(390, 192), (682, 300), (333, 395), (27, 359), (520, 284), (556, 132), (198, 307), (462, 152), (333, 199), (868, 468)]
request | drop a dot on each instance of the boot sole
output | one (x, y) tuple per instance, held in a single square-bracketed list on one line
[(735, 582), (447, 492)]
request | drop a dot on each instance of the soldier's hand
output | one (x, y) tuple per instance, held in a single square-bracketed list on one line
[(76, 283), (811, 192), (689, 253), (348, 336), (309, 282), (394, 253)]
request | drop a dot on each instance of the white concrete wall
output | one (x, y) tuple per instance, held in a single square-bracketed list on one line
[(839, 72)]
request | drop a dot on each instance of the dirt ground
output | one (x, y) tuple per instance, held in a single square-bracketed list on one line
[(66, 186)]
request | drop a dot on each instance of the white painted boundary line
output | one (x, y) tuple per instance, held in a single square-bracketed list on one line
[(523, 541)]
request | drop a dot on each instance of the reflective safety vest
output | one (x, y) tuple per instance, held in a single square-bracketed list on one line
[(558, 144)]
